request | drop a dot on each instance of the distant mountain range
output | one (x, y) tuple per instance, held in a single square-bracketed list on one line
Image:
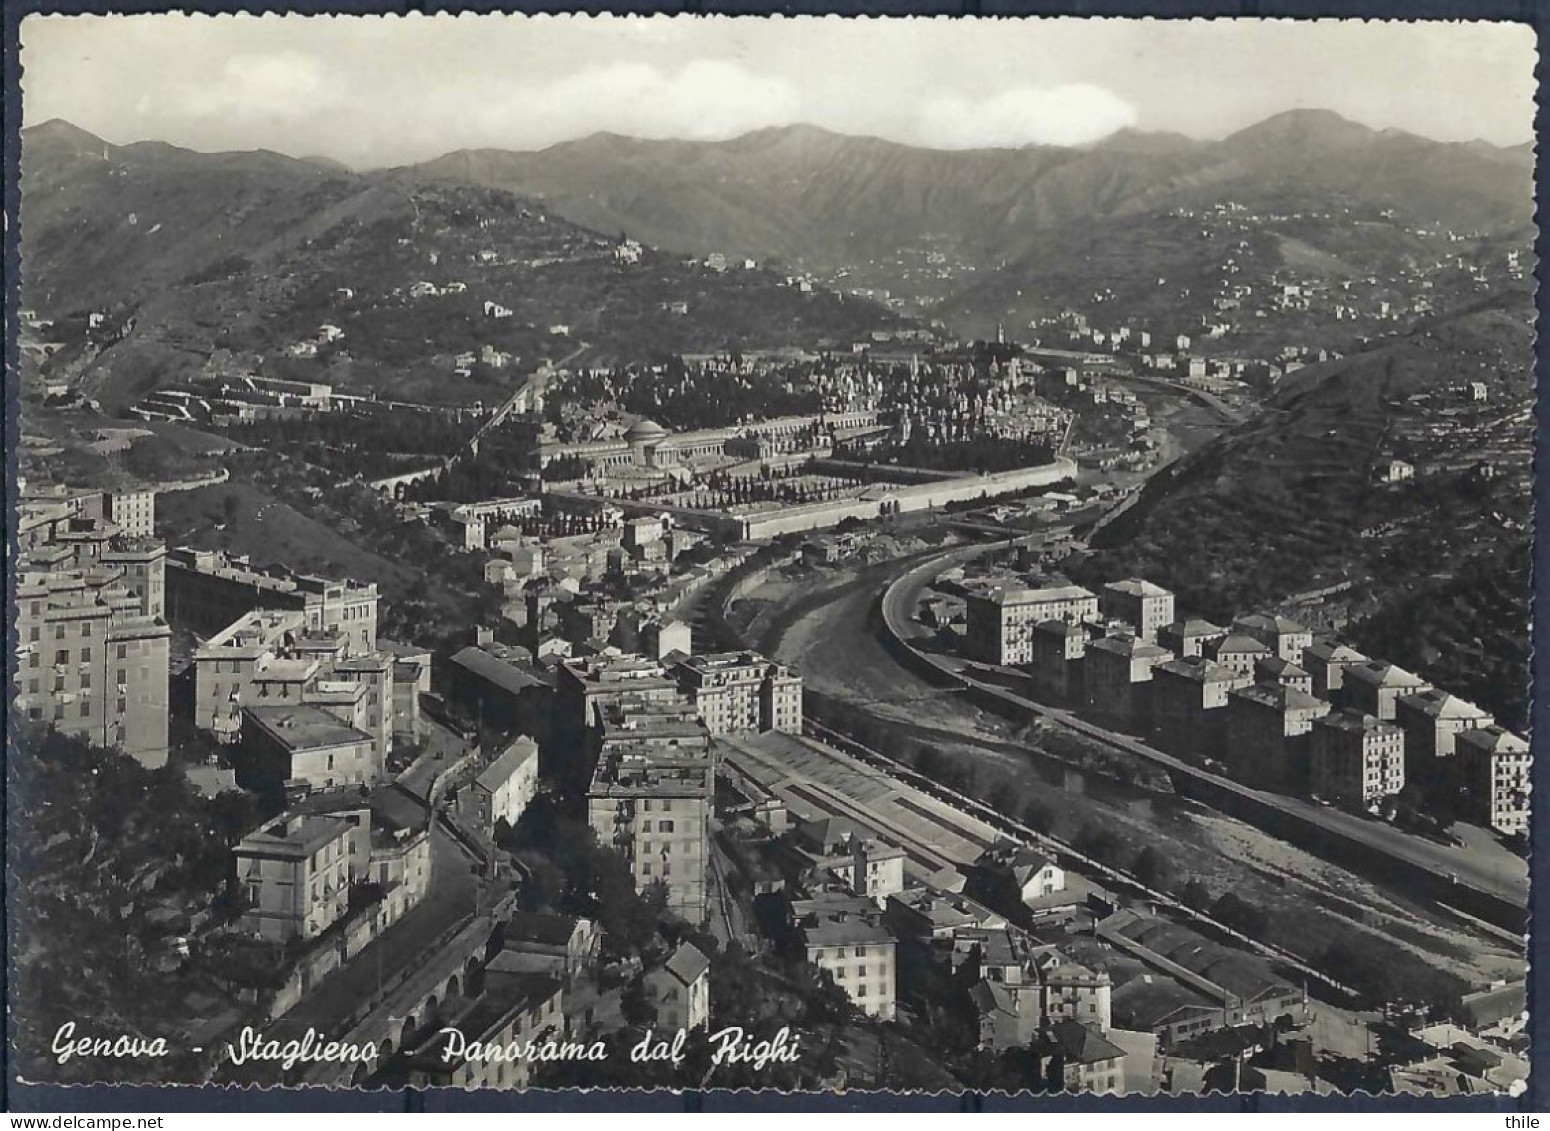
[(975, 238), (804, 194), (228, 262)]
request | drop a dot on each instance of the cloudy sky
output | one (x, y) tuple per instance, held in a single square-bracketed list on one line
[(389, 90)]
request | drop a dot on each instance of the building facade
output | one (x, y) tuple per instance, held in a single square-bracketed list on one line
[(1358, 759), (1000, 621)]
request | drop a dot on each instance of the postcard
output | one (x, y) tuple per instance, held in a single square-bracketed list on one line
[(800, 554)]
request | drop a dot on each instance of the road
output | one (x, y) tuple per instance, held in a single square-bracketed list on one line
[(444, 748), (1497, 872)]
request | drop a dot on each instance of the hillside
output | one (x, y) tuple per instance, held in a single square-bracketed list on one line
[(234, 263), (1294, 501), (806, 196)]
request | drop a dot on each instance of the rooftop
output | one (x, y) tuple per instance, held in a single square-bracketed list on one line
[(1280, 698), (1199, 669), (687, 964), (1357, 721), (300, 726), (503, 673), (1494, 740), (516, 755), (1137, 587), (293, 836), (1238, 643), (1438, 704), (1007, 595), (1379, 674), (1262, 622)]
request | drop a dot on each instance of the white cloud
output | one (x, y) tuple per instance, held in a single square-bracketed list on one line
[(1062, 115), (277, 84)]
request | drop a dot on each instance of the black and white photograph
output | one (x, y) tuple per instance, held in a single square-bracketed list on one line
[(804, 554)]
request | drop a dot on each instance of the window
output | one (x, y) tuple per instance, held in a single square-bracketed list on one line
[(62, 656), (123, 651), (86, 708), (645, 869), (665, 826), (59, 632)]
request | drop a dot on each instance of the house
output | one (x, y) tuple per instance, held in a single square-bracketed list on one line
[(867, 866), (294, 873), (1015, 877), (1398, 471), (546, 943), (306, 744), (1080, 1058), (680, 987), (503, 789)]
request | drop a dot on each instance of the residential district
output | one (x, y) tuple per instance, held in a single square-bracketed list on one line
[(579, 821)]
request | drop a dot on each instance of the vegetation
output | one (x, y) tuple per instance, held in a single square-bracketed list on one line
[(120, 862), (985, 454)]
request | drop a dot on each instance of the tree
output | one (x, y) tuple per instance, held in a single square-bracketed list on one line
[(1039, 817), (1232, 910), (1154, 869), (634, 1006), (1196, 894)]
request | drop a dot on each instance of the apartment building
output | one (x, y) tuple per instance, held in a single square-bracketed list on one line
[(1375, 688), (504, 788), (1186, 638), (741, 692), (1284, 637), (133, 511), (999, 622), (1269, 731), (208, 590), (846, 937), (1494, 767), (653, 805), (1358, 759), (513, 1011), (92, 658), (1327, 663), (585, 685), (866, 865), (1116, 680), (680, 990), (1146, 607), (303, 744), (1237, 651), (1432, 721), (270, 658), (1189, 706), (1059, 647), (294, 873)]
